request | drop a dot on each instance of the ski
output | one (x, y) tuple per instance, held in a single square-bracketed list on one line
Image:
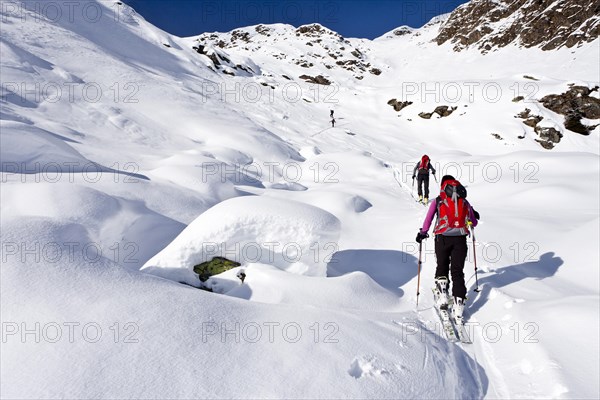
[(463, 335), (447, 325), (460, 327)]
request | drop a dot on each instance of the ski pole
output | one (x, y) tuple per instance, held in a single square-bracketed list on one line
[(419, 272), (475, 260), (435, 177)]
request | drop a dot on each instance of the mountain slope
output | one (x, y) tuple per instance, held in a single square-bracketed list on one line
[(549, 24), (94, 187)]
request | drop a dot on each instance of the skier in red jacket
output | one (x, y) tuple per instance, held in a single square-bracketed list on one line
[(422, 176), (454, 217)]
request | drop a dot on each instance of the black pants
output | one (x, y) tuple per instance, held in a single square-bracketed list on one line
[(423, 179), (451, 252)]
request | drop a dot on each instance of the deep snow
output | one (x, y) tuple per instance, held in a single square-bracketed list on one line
[(126, 142)]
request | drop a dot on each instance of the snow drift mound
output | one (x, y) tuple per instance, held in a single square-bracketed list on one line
[(292, 236), (28, 149)]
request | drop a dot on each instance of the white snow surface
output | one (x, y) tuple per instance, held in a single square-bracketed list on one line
[(123, 152)]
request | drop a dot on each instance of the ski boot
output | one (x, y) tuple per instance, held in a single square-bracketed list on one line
[(420, 199), (458, 307), (441, 292), (425, 201)]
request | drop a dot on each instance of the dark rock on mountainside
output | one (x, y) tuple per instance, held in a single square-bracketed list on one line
[(403, 30), (399, 105), (548, 136), (444, 111), (200, 49), (315, 30), (529, 119), (573, 123), (533, 120), (221, 62), (549, 24), (319, 79), (576, 98), (575, 104)]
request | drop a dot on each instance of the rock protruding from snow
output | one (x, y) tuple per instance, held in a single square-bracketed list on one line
[(316, 30), (549, 24), (575, 104), (222, 62), (399, 105), (401, 31), (292, 236)]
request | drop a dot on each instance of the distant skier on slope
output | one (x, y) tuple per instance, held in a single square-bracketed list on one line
[(454, 216), (422, 176), (333, 122), (331, 114)]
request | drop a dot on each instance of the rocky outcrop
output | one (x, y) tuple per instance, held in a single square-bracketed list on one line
[(575, 104), (442, 111), (399, 105), (200, 49), (315, 30), (403, 30), (529, 119), (548, 24), (319, 79), (548, 136), (221, 62)]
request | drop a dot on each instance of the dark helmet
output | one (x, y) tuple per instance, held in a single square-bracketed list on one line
[(446, 178)]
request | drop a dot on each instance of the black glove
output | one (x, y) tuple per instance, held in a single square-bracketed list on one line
[(421, 236), (414, 176), (476, 214)]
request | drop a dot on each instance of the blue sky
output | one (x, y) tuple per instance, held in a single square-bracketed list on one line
[(350, 18)]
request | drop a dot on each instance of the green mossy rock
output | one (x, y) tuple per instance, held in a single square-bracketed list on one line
[(214, 267)]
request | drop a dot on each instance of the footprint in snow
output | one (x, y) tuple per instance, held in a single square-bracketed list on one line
[(526, 367), (366, 366)]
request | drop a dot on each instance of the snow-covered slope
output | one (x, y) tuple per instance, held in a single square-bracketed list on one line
[(124, 150)]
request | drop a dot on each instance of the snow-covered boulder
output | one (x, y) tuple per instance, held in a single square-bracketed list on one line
[(292, 236)]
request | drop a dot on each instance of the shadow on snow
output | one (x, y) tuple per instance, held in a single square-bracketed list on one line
[(391, 269), (545, 267)]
